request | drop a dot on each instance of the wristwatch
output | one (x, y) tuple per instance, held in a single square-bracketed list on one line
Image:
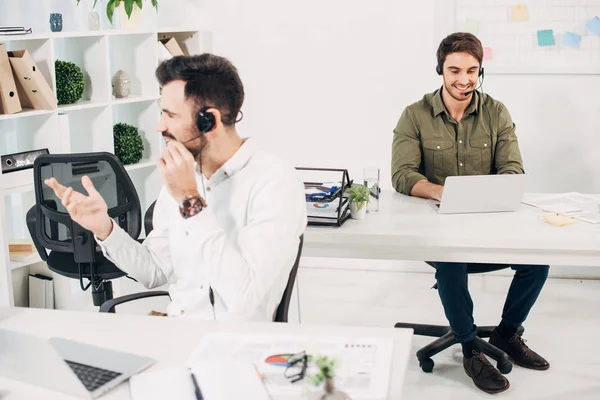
[(191, 206)]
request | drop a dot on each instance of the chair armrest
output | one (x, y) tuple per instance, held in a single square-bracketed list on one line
[(109, 305)]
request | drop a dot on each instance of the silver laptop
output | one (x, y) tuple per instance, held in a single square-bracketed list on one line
[(481, 194), (64, 365)]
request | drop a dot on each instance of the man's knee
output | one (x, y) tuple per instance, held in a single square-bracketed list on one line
[(537, 272), (444, 270)]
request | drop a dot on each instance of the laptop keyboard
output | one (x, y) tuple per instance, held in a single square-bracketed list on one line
[(92, 377)]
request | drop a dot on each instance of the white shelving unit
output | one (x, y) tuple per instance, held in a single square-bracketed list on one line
[(100, 54)]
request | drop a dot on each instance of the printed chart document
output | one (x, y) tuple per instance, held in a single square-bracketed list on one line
[(580, 206), (364, 364)]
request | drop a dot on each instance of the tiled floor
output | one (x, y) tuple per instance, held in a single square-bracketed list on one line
[(563, 326)]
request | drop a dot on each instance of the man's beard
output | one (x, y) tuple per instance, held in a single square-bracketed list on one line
[(459, 97)]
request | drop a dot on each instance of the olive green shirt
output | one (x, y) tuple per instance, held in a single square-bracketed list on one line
[(428, 143)]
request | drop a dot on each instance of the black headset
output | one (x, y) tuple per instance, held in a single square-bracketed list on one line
[(205, 122)]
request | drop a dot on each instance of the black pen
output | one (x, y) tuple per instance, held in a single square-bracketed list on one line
[(196, 387)]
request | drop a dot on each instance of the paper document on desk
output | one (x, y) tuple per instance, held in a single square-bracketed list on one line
[(582, 207), (364, 363)]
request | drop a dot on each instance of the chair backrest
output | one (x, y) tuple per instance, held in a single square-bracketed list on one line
[(148, 225), (281, 314), (49, 223)]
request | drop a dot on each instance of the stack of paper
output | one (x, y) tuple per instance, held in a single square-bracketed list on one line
[(579, 206), (14, 30), (41, 291), (364, 363)]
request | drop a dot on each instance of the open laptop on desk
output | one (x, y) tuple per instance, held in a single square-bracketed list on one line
[(481, 194), (64, 365)]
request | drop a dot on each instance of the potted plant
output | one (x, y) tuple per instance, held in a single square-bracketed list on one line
[(129, 147), (129, 11), (70, 82), (326, 374), (358, 196)]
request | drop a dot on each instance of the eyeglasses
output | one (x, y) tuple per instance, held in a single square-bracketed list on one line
[(296, 367)]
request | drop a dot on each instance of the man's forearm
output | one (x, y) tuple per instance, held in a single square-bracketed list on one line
[(427, 190), (106, 229)]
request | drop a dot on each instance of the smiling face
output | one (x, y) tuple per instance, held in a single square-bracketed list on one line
[(176, 120), (460, 74)]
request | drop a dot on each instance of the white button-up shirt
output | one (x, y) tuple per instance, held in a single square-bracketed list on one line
[(243, 244)]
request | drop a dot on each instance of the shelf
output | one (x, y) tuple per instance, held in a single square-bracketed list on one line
[(175, 29), (81, 105), (74, 34), (141, 165), (134, 99), (24, 114), (33, 259), (18, 182)]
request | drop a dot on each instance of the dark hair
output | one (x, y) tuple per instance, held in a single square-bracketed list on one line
[(460, 42), (210, 81)]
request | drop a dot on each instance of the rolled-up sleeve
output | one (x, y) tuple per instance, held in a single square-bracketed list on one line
[(507, 157), (406, 154)]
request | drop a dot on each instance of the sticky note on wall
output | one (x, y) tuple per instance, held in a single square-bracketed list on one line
[(472, 26), (519, 13), (594, 25), (487, 53), (545, 37), (571, 40)]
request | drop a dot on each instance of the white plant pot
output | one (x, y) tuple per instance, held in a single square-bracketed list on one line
[(134, 21), (358, 214)]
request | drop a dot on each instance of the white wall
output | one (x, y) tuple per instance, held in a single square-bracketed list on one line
[(326, 82)]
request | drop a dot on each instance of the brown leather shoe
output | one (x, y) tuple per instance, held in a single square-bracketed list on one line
[(521, 354), (484, 375)]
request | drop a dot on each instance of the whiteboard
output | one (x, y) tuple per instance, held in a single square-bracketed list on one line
[(511, 36)]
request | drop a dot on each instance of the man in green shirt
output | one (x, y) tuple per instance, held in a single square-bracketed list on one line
[(457, 130)]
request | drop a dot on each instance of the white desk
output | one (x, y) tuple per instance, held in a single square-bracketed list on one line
[(168, 340), (407, 228)]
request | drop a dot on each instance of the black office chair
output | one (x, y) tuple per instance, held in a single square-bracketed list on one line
[(74, 252), (281, 314), (446, 336)]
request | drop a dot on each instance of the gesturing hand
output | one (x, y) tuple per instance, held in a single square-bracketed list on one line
[(91, 211)]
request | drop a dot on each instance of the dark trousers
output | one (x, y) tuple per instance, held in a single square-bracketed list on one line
[(458, 305)]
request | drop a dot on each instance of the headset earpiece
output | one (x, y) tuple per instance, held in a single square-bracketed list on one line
[(438, 69), (205, 121), (481, 72)]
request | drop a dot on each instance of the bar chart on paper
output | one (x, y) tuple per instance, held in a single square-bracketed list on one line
[(534, 36)]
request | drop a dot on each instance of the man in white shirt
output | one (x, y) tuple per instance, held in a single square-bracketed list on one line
[(228, 220)]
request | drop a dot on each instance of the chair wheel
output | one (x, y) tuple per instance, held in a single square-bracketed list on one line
[(426, 364), (504, 367)]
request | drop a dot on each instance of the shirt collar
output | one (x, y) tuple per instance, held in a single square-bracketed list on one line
[(438, 106), (236, 163)]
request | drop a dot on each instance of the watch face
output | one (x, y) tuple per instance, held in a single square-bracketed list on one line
[(191, 206)]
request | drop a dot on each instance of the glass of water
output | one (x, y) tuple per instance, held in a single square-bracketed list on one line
[(371, 180)]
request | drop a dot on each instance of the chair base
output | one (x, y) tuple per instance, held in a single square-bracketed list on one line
[(446, 339)]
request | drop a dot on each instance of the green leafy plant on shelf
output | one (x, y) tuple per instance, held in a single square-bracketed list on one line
[(359, 195), (128, 4), (128, 143), (70, 82)]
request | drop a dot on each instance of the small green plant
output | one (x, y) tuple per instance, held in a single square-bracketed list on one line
[(70, 83), (128, 143), (326, 367), (358, 194), (112, 4)]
